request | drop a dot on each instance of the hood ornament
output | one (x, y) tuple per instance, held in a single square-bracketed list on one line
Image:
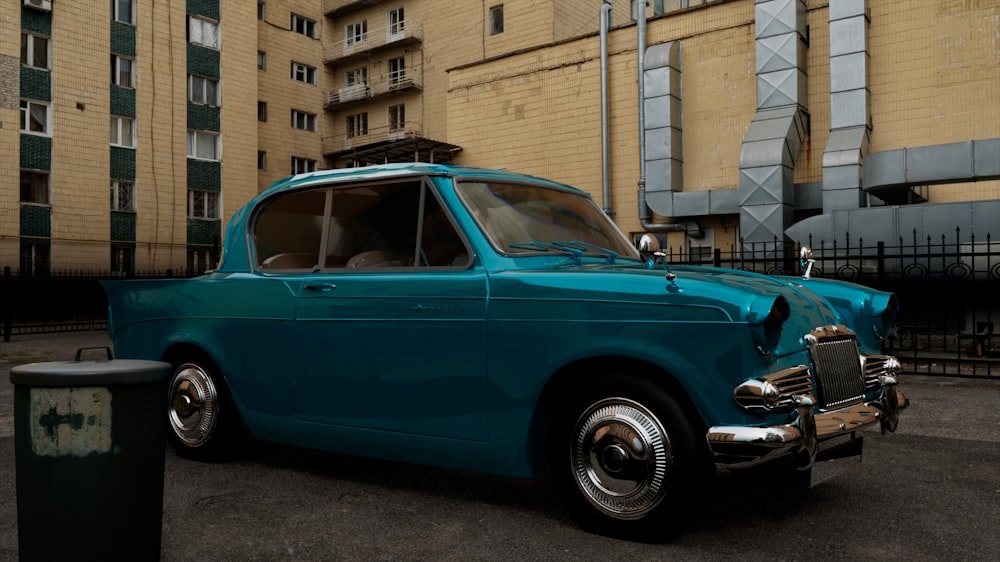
[(649, 249), (806, 261)]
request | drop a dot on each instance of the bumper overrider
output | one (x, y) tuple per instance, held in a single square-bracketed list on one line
[(828, 403)]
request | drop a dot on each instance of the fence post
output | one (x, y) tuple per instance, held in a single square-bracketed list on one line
[(880, 265), (6, 304)]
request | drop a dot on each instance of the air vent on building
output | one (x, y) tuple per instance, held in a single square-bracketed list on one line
[(45, 5)]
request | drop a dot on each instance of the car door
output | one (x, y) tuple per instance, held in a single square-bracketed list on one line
[(392, 337)]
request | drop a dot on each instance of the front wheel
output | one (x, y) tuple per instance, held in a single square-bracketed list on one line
[(625, 460), (202, 422)]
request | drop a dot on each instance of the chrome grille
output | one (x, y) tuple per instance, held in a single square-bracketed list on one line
[(840, 380), (875, 367)]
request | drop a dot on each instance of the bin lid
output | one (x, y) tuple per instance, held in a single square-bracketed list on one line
[(90, 373)]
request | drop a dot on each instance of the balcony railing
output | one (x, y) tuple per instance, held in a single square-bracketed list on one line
[(407, 32), (341, 143), (391, 84)]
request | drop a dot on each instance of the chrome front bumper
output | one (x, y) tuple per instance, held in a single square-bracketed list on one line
[(809, 435)]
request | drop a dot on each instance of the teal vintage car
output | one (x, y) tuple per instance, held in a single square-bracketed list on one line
[(491, 321)]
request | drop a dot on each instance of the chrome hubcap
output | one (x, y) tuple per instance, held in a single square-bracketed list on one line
[(621, 458), (192, 404)]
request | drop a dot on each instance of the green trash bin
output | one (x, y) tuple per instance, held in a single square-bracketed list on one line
[(89, 440)]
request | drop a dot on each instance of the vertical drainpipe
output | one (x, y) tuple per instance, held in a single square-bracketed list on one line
[(605, 150)]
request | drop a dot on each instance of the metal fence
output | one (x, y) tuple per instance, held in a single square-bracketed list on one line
[(947, 286)]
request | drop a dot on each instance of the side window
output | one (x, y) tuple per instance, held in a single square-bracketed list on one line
[(393, 225), (287, 232), (440, 244)]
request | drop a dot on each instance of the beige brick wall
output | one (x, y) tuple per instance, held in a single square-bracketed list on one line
[(10, 36), (934, 78), (80, 119), (161, 155), (282, 94)]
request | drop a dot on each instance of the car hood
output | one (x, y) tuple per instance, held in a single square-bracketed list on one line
[(631, 291)]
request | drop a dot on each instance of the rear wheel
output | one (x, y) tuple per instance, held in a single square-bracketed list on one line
[(202, 421), (625, 460)]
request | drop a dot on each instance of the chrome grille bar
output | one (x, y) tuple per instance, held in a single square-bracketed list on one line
[(840, 380)]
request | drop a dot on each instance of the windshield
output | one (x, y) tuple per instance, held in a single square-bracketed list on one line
[(523, 220)]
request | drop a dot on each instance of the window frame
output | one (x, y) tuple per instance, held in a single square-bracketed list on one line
[(117, 72), (356, 33), (26, 117), (261, 160), (496, 19), (193, 147), (116, 10), (210, 204), (33, 188), (307, 165), (204, 82), (356, 125), (307, 72), (117, 187), (303, 26), (397, 74), (29, 50), (396, 117), (261, 11), (261, 111), (395, 24), (306, 119), (261, 60), (197, 25), (356, 76), (117, 133)]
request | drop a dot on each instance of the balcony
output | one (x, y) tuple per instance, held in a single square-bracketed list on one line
[(336, 8), (383, 145), (391, 84), (407, 33)]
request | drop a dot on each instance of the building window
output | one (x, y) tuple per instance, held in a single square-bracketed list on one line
[(357, 125), (34, 187), (122, 73), (203, 145), (35, 117), (356, 33), (261, 11), (203, 204), (397, 25), (203, 32), (397, 70), (35, 51), (262, 111), (303, 73), (36, 256), (303, 120), (397, 117), (203, 91), (302, 165), (496, 19), (304, 26), (122, 131), (261, 60), (122, 258), (357, 76), (122, 195), (261, 160), (124, 11)]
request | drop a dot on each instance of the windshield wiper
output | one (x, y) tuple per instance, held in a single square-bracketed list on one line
[(611, 255), (575, 248)]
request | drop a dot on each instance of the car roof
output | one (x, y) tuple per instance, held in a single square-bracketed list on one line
[(385, 171)]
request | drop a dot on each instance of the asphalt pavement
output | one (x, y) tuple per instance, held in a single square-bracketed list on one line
[(931, 491)]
